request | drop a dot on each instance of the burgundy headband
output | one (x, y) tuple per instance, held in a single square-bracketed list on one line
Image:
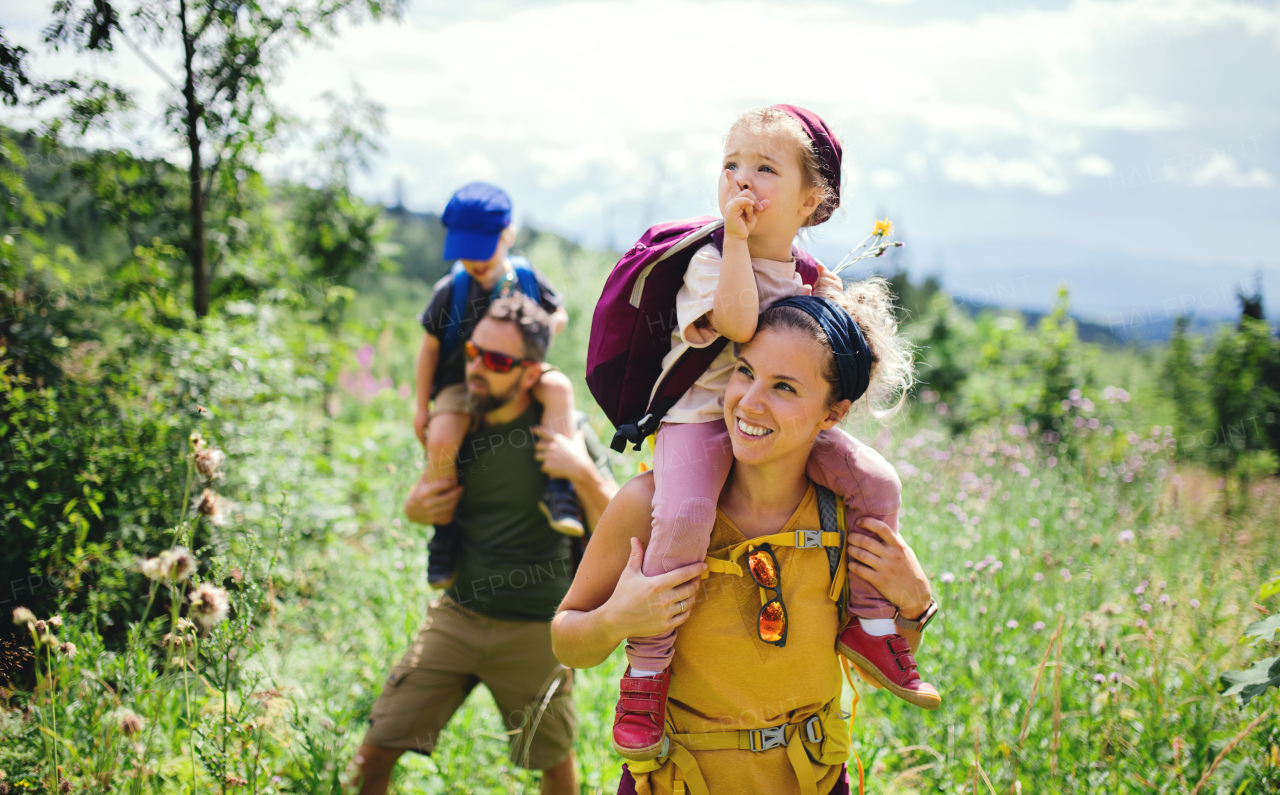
[(829, 152)]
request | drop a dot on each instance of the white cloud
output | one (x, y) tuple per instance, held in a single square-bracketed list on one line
[(610, 108), (1223, 169), (1042, 175), (1094, 166)]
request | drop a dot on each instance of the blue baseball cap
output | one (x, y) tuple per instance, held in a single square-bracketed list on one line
[(474, 219)]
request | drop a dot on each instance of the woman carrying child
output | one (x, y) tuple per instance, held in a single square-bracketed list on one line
[(752, 708), (781, 173)]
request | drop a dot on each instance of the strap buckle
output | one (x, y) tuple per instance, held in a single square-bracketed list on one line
[(770, 737), (813, 729), (808, 539)]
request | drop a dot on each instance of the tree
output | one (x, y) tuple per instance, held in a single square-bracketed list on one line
[(219, 106), (1183, 380)]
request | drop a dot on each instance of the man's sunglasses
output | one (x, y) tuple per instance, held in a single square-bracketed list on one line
[(772, 621), (497, 362)]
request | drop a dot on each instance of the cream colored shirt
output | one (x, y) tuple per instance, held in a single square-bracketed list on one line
[(704, 402)]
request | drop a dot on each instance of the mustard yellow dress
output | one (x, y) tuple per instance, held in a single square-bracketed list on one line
[(744, 715)]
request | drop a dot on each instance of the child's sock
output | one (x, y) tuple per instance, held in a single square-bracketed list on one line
[(635, 672), (877, 626)]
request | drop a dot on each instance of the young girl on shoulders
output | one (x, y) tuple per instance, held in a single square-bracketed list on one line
[(780, 174)]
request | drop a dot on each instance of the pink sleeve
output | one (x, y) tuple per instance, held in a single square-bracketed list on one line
[(696, 298)]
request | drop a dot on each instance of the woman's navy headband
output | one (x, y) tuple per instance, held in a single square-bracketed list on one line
[(853, 357)]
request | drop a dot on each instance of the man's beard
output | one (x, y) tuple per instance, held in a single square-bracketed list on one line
[(487, 402)]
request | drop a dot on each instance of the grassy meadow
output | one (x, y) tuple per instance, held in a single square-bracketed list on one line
[(1093, 588)]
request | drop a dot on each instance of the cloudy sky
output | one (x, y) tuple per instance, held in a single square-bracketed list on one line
[(1128, 148)]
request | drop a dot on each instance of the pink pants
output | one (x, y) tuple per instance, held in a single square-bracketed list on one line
[(691, 463)]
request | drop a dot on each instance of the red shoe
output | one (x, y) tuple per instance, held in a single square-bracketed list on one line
[(639, 724), (888, 660)]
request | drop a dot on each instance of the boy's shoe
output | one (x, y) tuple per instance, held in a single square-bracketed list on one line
[(639, 723), (888, 660), (560, 504), (442, 555)]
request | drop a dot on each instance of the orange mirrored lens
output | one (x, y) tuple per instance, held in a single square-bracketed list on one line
[(763, 569), (773, 622)]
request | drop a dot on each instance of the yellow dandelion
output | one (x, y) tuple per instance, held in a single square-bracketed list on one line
[(883, 228)]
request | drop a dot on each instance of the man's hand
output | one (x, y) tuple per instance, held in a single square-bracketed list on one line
[(828, 285), (432, 502), (420, 420), (563, 456), (740, 212)]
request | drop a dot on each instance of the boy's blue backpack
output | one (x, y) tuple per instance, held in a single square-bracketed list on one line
[(523, 279)]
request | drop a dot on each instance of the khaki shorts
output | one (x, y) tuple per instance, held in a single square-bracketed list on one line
[(455, 650), (452, 399)]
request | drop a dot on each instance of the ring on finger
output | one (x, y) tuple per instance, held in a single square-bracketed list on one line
[(681, 603)]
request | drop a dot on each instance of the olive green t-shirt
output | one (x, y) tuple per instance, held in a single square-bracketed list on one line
[(511, 564)]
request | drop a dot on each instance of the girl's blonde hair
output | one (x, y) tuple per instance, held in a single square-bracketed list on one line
[(870, 303), (773, 120)]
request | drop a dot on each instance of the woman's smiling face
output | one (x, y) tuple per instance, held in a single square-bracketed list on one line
[(778, 398)]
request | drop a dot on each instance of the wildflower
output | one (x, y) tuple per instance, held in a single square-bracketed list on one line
[(212, 507), (209, 462), (172, 565), (236, 781), (1038, 626), (982, 611), (55, 622), (196, 440), (883, 228), (23, 616), (947, 577), (131, 723), (1109, 608), (40, 627), (1164, 599), (1140, 590), (1011, 624), (1038, 577), (1125, 536), (1115, 676), (1194, 603), (68, 650), (1146, 607), (209, 605), (1033, 522), (1066, 575), (1099, 678)]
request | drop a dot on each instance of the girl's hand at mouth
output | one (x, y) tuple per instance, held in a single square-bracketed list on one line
[(741, 213)]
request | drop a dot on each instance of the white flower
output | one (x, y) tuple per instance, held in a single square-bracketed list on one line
[(130, 722), (23, 616), (208, 461), (172, 565), (209, 605), (212, 507)]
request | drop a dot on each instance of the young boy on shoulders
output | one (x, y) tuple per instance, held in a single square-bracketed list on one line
[(479, 237)]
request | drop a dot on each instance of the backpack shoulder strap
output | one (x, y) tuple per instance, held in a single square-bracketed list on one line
[(831, 515), (458, 304), (832, 522), (528, 281)]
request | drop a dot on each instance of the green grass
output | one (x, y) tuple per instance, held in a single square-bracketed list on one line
[(1077, 545)]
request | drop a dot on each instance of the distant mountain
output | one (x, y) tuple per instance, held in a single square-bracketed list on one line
[(1125, 297)]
